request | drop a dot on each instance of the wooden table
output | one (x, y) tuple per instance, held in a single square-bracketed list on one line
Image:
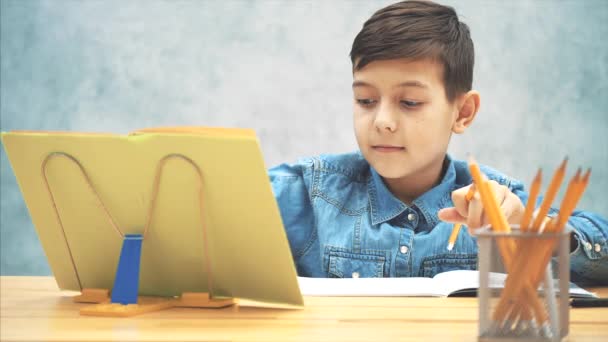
[(33, 309)]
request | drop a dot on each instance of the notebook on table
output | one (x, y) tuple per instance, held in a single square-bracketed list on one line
[(457, 283)]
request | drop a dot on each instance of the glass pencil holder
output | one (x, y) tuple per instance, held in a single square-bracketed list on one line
[(532, 302)]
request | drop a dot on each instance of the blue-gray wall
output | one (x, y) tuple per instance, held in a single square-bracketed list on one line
[(282, 67)]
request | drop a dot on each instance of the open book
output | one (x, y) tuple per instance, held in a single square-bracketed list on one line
[(458, 283)]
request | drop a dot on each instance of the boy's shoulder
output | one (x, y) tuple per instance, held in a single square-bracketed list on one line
[(463, 175), (351, 165)]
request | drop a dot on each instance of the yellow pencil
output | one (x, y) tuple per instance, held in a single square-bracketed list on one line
[(534, 191), (526, 258), (556, 181), (457, 226)]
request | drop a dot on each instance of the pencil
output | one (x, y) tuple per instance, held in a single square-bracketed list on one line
[(533, 261), (534, 191), (457, 226), (566, 209), (550, 195), (536, 258), (506, 247)]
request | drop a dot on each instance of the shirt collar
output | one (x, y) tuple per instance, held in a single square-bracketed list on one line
[(385, 206)]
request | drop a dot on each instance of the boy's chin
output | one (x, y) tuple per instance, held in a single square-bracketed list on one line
[(391, 171), (393, 174)]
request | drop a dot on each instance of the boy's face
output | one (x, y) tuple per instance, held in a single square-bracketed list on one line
[(403, 120)]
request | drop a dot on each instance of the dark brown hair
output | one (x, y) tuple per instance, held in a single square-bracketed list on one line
[(419, 30)]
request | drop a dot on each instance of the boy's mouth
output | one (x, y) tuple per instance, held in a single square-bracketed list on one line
[(387, 148)]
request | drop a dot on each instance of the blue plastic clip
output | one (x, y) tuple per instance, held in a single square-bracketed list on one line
[(126, 282)]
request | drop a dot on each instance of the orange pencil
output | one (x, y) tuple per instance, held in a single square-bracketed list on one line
[(531, 262), (536, 259), (506, 247), (457, 226), (534, 191), (569, 206), (550, 195)]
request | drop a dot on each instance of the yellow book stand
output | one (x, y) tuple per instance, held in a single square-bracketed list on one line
[(181, 216)]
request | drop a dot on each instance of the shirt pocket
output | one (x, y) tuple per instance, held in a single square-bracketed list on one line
[(432, 265), (344, 264)]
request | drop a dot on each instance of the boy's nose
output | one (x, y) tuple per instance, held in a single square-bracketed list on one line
[(385, 121)]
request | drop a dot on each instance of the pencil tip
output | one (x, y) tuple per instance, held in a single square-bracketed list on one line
[(587, 175)]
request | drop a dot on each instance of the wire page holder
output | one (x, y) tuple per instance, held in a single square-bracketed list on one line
[(123, 300)]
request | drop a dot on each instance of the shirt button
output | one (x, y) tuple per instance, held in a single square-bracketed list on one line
[(598, 248), (403, 249), (411, 216), (355, 274), (587, 246)]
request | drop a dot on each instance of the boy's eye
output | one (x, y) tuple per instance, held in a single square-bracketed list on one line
[(410, 104), (366, 102)]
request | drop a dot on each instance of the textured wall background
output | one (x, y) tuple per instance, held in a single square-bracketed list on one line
[(282, 68)]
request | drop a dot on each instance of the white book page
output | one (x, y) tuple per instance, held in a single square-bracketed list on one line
[(452, 281), (456, 280), (370, 287), (441, 285)]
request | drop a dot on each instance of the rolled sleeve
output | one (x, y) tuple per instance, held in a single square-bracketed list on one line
[(589, 261)]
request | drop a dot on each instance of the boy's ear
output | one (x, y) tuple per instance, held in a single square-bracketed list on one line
[(467, 108)]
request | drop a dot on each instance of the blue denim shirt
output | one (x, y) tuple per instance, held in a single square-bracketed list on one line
[(342, 221)]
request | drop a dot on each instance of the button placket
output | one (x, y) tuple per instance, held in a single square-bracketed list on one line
[(412, 219), (403, 267)]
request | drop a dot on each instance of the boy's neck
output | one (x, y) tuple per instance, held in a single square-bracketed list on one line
[(407, 189)]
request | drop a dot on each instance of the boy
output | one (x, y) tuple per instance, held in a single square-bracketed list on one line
[(388, 210)]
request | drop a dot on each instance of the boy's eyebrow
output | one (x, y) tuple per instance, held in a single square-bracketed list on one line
[(412, 84), (361, 84), (403, 84)]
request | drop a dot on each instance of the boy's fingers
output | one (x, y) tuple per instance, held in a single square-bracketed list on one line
[(460, 202), (475, 213), (508, 209), (484, 220), (500, 191), (450, 215), (509, 203), (513, 208)]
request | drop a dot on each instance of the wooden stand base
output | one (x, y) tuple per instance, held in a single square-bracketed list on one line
[(93, 296), (201, 300), (144, 303)]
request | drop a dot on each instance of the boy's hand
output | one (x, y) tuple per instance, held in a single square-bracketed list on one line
[(471, 212)]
